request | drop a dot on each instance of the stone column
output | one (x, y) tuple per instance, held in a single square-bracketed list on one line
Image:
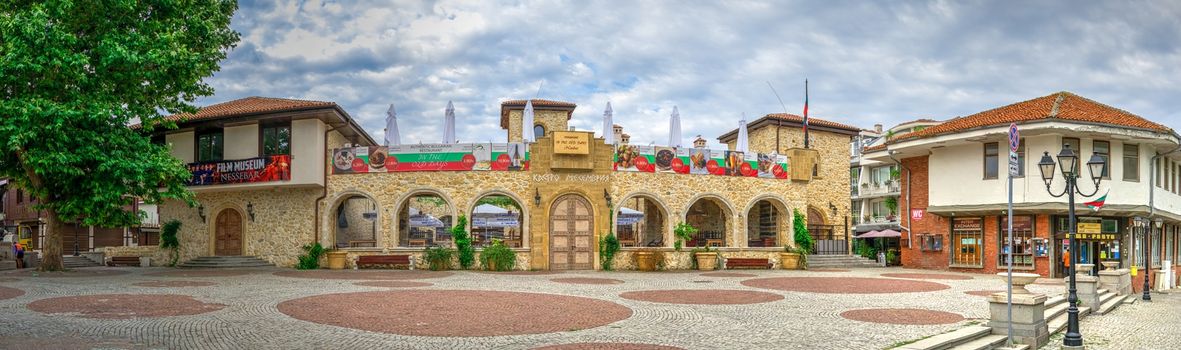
[(1088, 291), (1029, 313), (1116, 281)]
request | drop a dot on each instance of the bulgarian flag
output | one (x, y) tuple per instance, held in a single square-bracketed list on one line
[(1098, 203)]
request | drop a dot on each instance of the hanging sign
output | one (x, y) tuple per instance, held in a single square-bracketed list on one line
[(431, 157), (571, 142), (699, 161), (916, 214)]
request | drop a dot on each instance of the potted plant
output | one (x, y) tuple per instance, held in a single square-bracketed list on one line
[(438, 258), (683, 233), (789, 259), (706, 259), (498, 257), (336, 259), (802, 238), (310, 260), (645, 260)]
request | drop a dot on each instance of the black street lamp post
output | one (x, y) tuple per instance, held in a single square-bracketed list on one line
[(1068, 165), (1147, 256)]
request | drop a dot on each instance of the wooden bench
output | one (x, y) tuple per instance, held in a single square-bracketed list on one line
[(124, 261), (394, 261), (748, 263)]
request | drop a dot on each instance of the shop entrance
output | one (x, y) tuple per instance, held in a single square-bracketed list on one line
[(228, 233), (571, 232)]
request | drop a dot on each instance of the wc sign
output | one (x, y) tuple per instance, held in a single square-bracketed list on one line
[(916, 214)]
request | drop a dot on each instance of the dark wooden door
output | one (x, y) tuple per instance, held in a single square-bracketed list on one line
[(571, 232), (228, 233)]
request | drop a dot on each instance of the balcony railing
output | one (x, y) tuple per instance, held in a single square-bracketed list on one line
[(870, 189), (863, 220)]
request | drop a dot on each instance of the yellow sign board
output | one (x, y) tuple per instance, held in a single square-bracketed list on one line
[(569, 142), (1089, 227)]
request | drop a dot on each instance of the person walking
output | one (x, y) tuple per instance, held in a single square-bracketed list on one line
[(20, 255), (1066, 261)]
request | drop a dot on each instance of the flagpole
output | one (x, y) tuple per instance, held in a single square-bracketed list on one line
[(806, 143)]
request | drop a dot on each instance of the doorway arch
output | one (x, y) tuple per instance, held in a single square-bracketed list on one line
[(571, 237)]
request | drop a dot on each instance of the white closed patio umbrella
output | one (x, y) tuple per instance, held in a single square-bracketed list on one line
[(449, 124), (527, 123), (391, 127), (742, 142), (608, 126), (674, 128)]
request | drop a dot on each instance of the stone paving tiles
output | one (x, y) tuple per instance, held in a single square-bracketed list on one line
[(902, 316), (702, 297), (122, 306), (1140, 326), (252, 319)]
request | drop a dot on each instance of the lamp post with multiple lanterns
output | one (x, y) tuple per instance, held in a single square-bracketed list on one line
[(1068, 165)]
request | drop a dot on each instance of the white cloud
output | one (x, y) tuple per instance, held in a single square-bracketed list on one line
[(868, 62)]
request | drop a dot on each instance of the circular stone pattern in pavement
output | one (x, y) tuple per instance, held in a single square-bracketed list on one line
[(522, 272), (728, 274), (902, 316), (983, 293), (702, 296), (607, 346), (375, 275), (78, 272), (844, 285), (828, 270), (394, 284), (124, 306), (435, 312), (927, 276), (174, 284), (587, 280), (9, 279), (9, 293), (201, 273)]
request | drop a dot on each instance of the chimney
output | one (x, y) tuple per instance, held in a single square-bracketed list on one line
[(618, 130), (624, 138), (699, 142), (877, 128)]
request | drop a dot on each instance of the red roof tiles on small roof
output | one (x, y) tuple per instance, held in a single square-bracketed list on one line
[(1062, 105), (537, 104), (249, 105), (811, 121), (791, 120)]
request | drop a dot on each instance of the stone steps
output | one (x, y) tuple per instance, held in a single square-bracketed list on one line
[(71, 262), (1108, 302), (1059, 323), (829, 261), (225, 262), (987, 342), (950, 339)]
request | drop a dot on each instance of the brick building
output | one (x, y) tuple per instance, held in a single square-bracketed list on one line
[(954, 188)]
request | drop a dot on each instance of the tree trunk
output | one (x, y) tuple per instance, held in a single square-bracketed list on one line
[(51, 251)]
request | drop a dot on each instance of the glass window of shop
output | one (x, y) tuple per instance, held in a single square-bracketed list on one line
[(967, 242), (1023, 241), (1099, 238)]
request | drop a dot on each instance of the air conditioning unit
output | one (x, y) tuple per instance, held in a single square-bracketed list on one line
[(347, 145)]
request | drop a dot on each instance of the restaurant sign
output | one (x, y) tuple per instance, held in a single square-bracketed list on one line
[(431, 157), (1096, 236), (261, 169), (1090, 227), (571, 142), (700, 161)]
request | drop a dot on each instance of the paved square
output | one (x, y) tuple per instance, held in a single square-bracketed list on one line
[(283, 309)]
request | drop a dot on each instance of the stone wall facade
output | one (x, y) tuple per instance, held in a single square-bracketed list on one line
[(281, 226), (553, 120)]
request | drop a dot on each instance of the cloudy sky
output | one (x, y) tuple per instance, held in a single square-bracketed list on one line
[(867, 62)]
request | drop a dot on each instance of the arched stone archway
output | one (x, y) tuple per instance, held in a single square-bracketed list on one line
[(641, 220), (424, 218), (711, 216), (767, 222), (498, 215), (355, 221)]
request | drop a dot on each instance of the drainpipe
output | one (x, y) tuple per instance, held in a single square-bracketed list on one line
[(324, 179), (909, 234)]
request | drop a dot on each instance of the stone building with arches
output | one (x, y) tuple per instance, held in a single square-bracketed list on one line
[(550, 200)]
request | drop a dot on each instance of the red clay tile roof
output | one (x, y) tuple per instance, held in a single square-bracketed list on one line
[(249, 105), (811, 121), (537, 104), (1062, 105)]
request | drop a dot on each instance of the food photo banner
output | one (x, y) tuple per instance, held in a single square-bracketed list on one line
[(261, 169), (431, 157), (700, 161)]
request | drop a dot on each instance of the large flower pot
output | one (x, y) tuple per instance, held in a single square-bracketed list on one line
[(646, 261), (1020, 280), (707, 261), (789, 261), (336, 259), (492, 265)]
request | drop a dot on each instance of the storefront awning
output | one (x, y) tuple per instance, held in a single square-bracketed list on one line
[(881, 234)]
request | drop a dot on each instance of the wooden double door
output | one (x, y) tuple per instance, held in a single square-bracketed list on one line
[(227, 234), (571, 234)]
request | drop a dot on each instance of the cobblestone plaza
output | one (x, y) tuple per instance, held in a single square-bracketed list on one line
[(288, 309)]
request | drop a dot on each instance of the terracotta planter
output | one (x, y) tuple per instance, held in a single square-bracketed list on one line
[(492, 265), (707, 261), (336, 259), (645, 261), (789, 261)]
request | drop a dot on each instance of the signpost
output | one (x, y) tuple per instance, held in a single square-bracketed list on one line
[(1014, 170)]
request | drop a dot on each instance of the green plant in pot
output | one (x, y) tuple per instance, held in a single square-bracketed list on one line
[(438, 258), (310, 260), (802, 237), (705, 259), (683, 233), (789, 259), (498, 257)]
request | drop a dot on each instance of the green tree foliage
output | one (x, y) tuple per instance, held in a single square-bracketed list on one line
[(74, 75), (463, 243), (310, 260), (500, 255), (168, 239), (608, 246), (683, 233)]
